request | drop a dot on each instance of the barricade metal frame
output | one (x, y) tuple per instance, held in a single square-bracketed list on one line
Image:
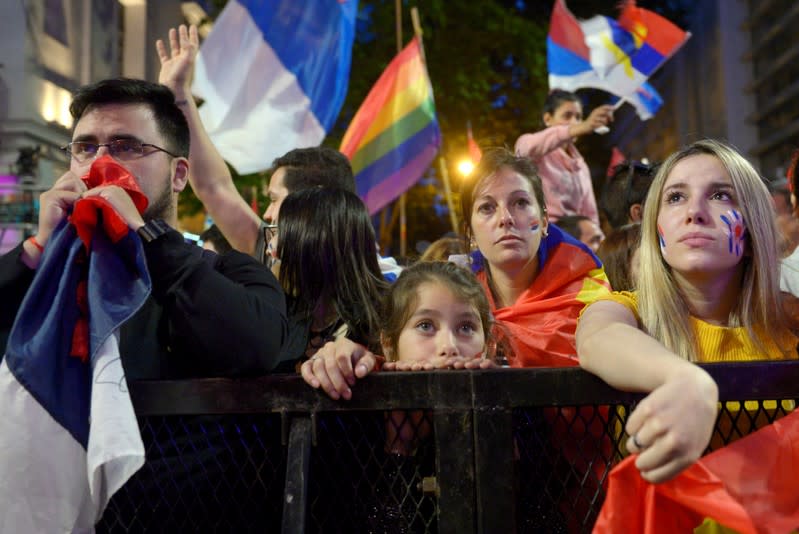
[(472, 418)]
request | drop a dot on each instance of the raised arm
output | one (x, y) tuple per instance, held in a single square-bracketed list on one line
[(672, 426), (209, 176), (539, 144)]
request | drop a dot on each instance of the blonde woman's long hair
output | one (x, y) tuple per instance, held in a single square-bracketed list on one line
[(663, 311)]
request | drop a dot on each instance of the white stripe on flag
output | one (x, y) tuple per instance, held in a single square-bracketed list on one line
[(44, 472), (255, 109)]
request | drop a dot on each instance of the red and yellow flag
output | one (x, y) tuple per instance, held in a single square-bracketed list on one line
[(750, 486)]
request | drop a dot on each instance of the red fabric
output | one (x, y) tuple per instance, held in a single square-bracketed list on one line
[(475, 154), (86, 214), (751, 486), (650, 28), (616, 158), (540, 329), (541, 324)]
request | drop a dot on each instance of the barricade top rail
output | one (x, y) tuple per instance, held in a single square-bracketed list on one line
[(443, 390)]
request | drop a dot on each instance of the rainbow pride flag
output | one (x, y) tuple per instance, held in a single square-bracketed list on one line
[(394, 136)]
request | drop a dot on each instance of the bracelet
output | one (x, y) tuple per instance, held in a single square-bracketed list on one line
[(181, 102), (32, 241)]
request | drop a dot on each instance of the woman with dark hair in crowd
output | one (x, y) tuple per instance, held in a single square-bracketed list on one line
[(326, 261), (619, 255), (565, 176)]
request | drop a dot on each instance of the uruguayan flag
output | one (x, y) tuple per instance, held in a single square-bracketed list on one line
[(274, 75), (68, 433)]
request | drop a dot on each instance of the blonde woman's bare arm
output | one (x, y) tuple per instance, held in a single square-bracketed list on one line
[(671, 427)]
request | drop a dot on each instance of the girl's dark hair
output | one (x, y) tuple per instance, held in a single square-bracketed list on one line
[(327, 251), (557, 97), (401, 300), (616, 253)]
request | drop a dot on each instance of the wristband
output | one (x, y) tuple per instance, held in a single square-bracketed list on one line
[(32, 241), (153, 230)]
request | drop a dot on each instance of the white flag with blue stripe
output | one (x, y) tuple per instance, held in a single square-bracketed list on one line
[(274, 75)]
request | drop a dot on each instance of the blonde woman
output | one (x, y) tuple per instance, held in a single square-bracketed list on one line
[(708, 291)]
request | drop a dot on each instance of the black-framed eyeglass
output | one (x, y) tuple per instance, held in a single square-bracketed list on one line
[(119, 149)]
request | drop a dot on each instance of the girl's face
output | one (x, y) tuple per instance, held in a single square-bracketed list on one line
[(507, 221), (567, 113), (441, 326), (700, 225)]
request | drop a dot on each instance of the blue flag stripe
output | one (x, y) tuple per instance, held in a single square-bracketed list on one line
[(313, 40), (390, 163)]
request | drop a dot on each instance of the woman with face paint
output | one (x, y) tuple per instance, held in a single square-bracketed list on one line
[(565, 176), (708, 291), (533, 273)]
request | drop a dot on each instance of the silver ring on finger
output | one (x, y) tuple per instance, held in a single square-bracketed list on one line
[(637, 443)]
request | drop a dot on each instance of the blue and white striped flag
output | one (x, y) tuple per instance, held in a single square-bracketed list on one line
[(68, 433), (274, 75)]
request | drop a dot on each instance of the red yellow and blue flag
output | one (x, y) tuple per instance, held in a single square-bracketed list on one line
[(394, 136), (617, 56)]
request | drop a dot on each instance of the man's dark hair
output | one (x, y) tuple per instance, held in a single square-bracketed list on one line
[(169, 118), (316, 166), (571, 225), (627, 185)]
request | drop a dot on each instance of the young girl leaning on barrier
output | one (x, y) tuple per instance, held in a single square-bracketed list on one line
[(435, 316), (707, 292)]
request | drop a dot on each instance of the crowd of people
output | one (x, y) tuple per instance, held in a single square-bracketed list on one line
[(691, 272)]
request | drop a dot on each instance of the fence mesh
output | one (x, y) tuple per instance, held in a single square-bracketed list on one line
[(371, 471)]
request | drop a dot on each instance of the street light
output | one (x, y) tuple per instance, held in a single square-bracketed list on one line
[(465, 167)]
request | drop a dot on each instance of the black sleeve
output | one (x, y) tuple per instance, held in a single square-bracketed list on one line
[(227, 314), (15, 279)]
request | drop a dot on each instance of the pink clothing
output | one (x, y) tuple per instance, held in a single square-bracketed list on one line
[(567, 182)]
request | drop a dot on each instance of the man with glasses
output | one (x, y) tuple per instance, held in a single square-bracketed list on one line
[(208, 315)]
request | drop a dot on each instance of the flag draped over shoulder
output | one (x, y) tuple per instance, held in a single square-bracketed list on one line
[(274, 74), (394, 136), (617, 56), (542, 322), (751, 486), (68, 433)]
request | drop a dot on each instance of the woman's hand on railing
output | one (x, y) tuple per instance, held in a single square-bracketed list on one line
[(336, 366), (672, 426)]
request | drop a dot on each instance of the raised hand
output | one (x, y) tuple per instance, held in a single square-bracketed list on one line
[(177, 64)]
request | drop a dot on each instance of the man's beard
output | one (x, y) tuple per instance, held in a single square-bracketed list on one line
[(162, 206)]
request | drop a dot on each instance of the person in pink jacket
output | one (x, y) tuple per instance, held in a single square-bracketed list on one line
[(565, 176)]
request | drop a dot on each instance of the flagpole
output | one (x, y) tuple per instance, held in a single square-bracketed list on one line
[(403, 248), (453, 217)]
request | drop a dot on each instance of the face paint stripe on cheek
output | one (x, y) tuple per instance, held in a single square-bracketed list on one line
[(661, 240)]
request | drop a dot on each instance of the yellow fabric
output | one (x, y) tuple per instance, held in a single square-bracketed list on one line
[(720, 343)]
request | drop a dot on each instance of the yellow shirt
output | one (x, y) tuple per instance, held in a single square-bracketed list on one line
[(722, 343), (729, 344)]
